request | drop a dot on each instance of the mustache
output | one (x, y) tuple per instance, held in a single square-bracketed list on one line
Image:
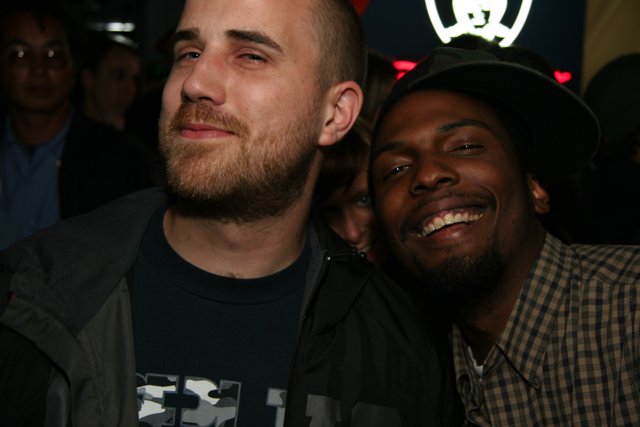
[(208, 114), (409, 224)]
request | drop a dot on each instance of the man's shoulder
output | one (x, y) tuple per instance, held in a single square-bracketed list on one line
[(609, 263), (353, 280), (71, 267), (111, 225)]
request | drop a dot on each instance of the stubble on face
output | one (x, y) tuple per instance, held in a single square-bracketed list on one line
[(260, 178)]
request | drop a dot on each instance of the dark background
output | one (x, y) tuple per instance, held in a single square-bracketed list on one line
[(399, 28), (555, 29)]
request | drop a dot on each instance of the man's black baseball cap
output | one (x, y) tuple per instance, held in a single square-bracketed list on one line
[(564, 131)]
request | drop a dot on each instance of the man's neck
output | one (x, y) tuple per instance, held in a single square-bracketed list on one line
[(243, 250), (482, 322), (32, 129)]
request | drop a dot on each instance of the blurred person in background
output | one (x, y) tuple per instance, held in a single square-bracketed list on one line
[(110, 76), (342, 193), (54, 163), (381, 75), (611, 183)]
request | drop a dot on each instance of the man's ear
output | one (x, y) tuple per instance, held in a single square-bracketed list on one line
[(342, 107), (539, 196)]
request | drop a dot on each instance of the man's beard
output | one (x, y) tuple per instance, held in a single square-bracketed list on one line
[(265, 176), (463, 280)]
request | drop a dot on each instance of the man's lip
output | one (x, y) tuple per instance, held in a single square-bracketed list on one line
[(39, 89), (203, 131)]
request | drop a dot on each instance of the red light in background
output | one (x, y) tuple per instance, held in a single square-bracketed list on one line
[(562, 76), (360, 5), (403, 67)]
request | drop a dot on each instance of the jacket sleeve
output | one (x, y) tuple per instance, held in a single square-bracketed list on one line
[(24, 376), (28, 379)]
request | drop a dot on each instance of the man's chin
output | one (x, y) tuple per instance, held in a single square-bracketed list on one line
[(458, 281)]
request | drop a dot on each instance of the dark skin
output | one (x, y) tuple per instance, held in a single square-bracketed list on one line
[(448, 186)]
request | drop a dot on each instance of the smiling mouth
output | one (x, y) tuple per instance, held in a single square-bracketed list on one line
[(446, 219)]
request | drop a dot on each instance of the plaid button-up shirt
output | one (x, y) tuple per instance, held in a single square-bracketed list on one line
[(570, 352)]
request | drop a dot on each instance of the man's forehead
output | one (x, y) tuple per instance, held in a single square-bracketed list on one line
[(440, 111), (25, 27), (284, 21), (429, 102), (284, 26)]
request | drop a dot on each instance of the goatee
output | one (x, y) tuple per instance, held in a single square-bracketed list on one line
[(463, 280)]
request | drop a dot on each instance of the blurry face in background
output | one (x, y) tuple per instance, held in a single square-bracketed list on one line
[(36, 70), (348, 211), (114, 85)]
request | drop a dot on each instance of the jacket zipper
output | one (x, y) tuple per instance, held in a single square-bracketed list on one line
[(349, 257)]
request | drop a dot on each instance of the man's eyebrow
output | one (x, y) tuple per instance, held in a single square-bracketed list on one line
[(391, 146), (19, 41), (397, 146), (15, 41), (254, 37), (462, 123), (188, 34)]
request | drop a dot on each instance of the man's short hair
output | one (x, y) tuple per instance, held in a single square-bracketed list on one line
[(338, 31), (42, 9)]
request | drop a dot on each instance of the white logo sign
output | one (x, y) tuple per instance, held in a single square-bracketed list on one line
[(493, 20)]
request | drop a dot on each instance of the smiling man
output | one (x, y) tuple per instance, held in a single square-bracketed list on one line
[(544, 333), (226, 304)]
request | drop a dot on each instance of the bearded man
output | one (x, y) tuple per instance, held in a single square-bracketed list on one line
[(228, 305)]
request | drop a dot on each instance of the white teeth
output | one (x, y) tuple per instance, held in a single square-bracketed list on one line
[(448, 219)]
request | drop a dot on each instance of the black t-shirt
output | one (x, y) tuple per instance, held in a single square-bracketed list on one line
[(211, 350)]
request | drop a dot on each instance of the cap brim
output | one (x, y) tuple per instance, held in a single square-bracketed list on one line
[(565, 132)]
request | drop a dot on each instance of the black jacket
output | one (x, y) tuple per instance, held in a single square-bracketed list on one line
[(100, 164), (362, 357)]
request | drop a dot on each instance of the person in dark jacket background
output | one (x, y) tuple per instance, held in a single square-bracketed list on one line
[(111, 77), (54, 163), (228, 305)]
